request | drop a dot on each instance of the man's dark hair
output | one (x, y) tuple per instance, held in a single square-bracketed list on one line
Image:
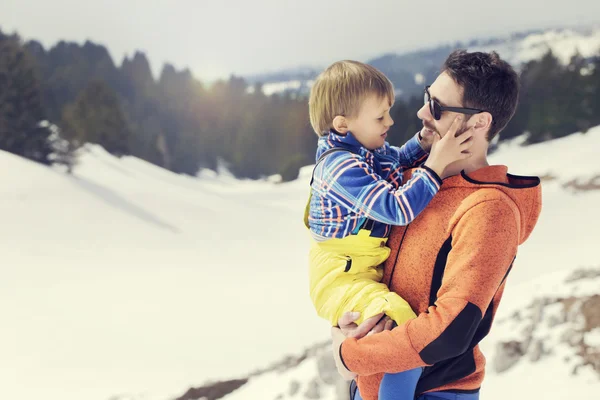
[(489, 83)]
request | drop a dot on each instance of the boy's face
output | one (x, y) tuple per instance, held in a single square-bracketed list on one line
[(373, 121)]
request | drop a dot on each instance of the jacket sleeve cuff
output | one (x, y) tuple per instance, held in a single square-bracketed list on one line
[(385, 352), (433, 174), (342, 357)]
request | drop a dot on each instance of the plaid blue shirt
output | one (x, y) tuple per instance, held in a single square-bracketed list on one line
[(352, 186)]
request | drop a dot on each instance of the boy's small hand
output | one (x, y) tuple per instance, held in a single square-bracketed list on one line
[(450, 148), (348, 329)]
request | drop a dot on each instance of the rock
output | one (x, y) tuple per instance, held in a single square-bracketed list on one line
[(342, 389), (507, 355), (313, 391), (326, 368), (572, 337), (572, 310), (537, 351), (582, 274), (590, 310), (294, 388), (526, 343), (528, 330), (517, 316), (213, 390), (538, 311), (555, 320)]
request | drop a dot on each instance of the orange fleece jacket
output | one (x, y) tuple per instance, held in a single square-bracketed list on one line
[(451, 265)]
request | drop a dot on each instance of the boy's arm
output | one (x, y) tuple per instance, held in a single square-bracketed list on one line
[(484, 244), (350, 182), (411, 154)]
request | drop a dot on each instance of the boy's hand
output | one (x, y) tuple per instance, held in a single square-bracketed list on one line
[(450, 148), (374, 324), (349, 329)]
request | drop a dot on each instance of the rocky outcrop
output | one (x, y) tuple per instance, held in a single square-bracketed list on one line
[(579, 316)]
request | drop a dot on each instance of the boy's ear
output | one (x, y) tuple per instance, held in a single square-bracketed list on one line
[(340, 124)]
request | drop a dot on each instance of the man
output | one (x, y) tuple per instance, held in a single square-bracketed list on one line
[(452, 261)]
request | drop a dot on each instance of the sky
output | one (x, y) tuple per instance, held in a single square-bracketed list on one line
[(218, 38)]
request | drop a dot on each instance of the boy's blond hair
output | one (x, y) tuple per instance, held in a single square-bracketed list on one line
[(341, 89)]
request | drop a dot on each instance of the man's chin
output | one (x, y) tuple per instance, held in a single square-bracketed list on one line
[(426, 132)]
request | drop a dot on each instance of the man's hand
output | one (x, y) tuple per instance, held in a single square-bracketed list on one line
[(348, 328), (337, 337), (375, 324)]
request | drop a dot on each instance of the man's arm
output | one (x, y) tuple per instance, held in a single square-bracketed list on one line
[(347, 328), (484, 244)]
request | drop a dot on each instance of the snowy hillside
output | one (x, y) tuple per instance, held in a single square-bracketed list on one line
[(127, 278), (126, 281), (549, 321), (545, 344), (563, 43)]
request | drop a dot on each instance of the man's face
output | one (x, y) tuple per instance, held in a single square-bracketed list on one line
[(448, 93), (372, 122)]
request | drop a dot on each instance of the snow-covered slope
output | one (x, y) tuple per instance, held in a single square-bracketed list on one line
[(127, 280)]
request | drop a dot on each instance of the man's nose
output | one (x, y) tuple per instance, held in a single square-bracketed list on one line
[(424, 114)]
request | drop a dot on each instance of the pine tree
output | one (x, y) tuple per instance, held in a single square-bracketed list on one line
[(594, 89), (21, 112), (96, 117)]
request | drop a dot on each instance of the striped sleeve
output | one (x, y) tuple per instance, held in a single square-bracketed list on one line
[(411, 154), (349, 181)]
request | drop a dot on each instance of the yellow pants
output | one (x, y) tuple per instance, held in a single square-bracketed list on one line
[(345, 275)]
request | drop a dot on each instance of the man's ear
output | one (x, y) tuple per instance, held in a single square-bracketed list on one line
[(340, 124), (483, 121)]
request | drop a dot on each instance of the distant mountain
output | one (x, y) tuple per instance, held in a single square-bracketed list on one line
[(290, 74), (409, 71)]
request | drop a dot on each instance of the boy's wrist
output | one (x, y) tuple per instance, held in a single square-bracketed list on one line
[(434, 167)]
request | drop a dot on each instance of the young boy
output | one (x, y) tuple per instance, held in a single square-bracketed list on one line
[(357, 193)]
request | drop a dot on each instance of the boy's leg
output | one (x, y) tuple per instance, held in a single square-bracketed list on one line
[(354, 394), (400, 386)]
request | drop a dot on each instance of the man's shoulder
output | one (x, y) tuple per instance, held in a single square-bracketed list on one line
[(486, 194), (483, 206)]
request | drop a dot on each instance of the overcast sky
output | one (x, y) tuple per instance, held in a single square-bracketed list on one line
[(217, 38)]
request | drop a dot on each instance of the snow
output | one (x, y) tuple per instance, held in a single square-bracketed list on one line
[(563, 43), (278, 87), (128, 280)]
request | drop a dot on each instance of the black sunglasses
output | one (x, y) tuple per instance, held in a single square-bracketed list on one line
[(437, 109)]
